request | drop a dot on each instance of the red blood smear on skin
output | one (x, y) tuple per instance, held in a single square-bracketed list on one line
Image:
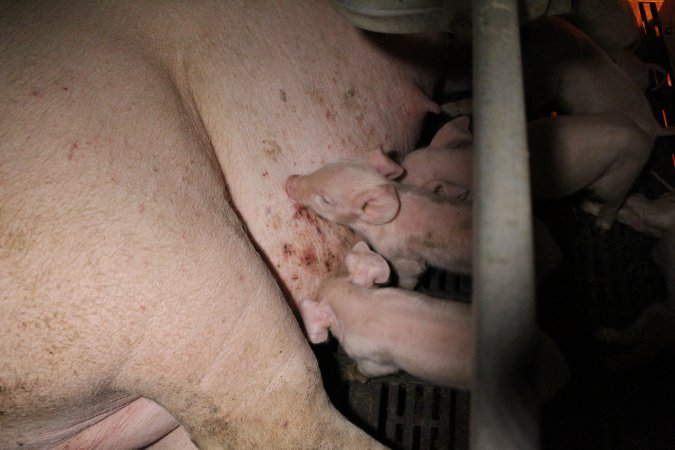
[(305, 214), (308, 258)]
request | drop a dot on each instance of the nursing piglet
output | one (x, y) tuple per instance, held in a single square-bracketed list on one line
[(654, 330), (446, 165), (385, 330), (410, 226)]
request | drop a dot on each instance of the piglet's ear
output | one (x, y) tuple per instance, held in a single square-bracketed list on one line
[(453, 134), (359, 248), (384, 165), (318, 318), (377, 205), (366, 267), (447, 189)]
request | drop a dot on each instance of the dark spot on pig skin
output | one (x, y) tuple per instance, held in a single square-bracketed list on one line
[(282, 95), (271, 149), (315, 95), (265, 173), (64, 88), (294, 276), (352, 102), (288, 250), (72, 150), (37, 93), (308, 258), (285, 424), (330, 115)]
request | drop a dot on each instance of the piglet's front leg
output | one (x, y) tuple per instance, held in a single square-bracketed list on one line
[(318, 318)]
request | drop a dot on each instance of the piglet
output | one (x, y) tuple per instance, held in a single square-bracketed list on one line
[(410, 226), (599, 154), (446, 165), (654, 330), (385, 330), (605, 129), (638, 71), (610, 23)]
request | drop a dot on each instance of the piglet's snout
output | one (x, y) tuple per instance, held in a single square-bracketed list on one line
[(291, 185)]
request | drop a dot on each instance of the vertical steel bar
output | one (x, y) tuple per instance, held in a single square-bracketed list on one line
[(503, 408)]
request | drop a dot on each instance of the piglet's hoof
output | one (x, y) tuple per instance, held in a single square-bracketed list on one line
[(352, 373), (603, 223)]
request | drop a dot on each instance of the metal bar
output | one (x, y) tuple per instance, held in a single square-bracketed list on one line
[(503, 407)]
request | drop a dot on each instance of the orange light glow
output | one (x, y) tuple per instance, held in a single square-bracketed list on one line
[(648, 15), (665, 120), (657, 30), (554, 113), (670, 83), (673, 155), (636, 6)]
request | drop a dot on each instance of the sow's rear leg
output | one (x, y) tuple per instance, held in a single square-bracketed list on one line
[(249, 379)]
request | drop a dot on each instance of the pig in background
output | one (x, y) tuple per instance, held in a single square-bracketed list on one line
[(654, 330), (565, 71), (411, 227), (613, 25), (638, 71), (610, 23)]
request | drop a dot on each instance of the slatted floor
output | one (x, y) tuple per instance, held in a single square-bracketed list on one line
[(402, 411)]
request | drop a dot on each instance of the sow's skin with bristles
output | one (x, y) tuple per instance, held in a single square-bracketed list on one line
[(385, 330), (148, 251), (410, 226)]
